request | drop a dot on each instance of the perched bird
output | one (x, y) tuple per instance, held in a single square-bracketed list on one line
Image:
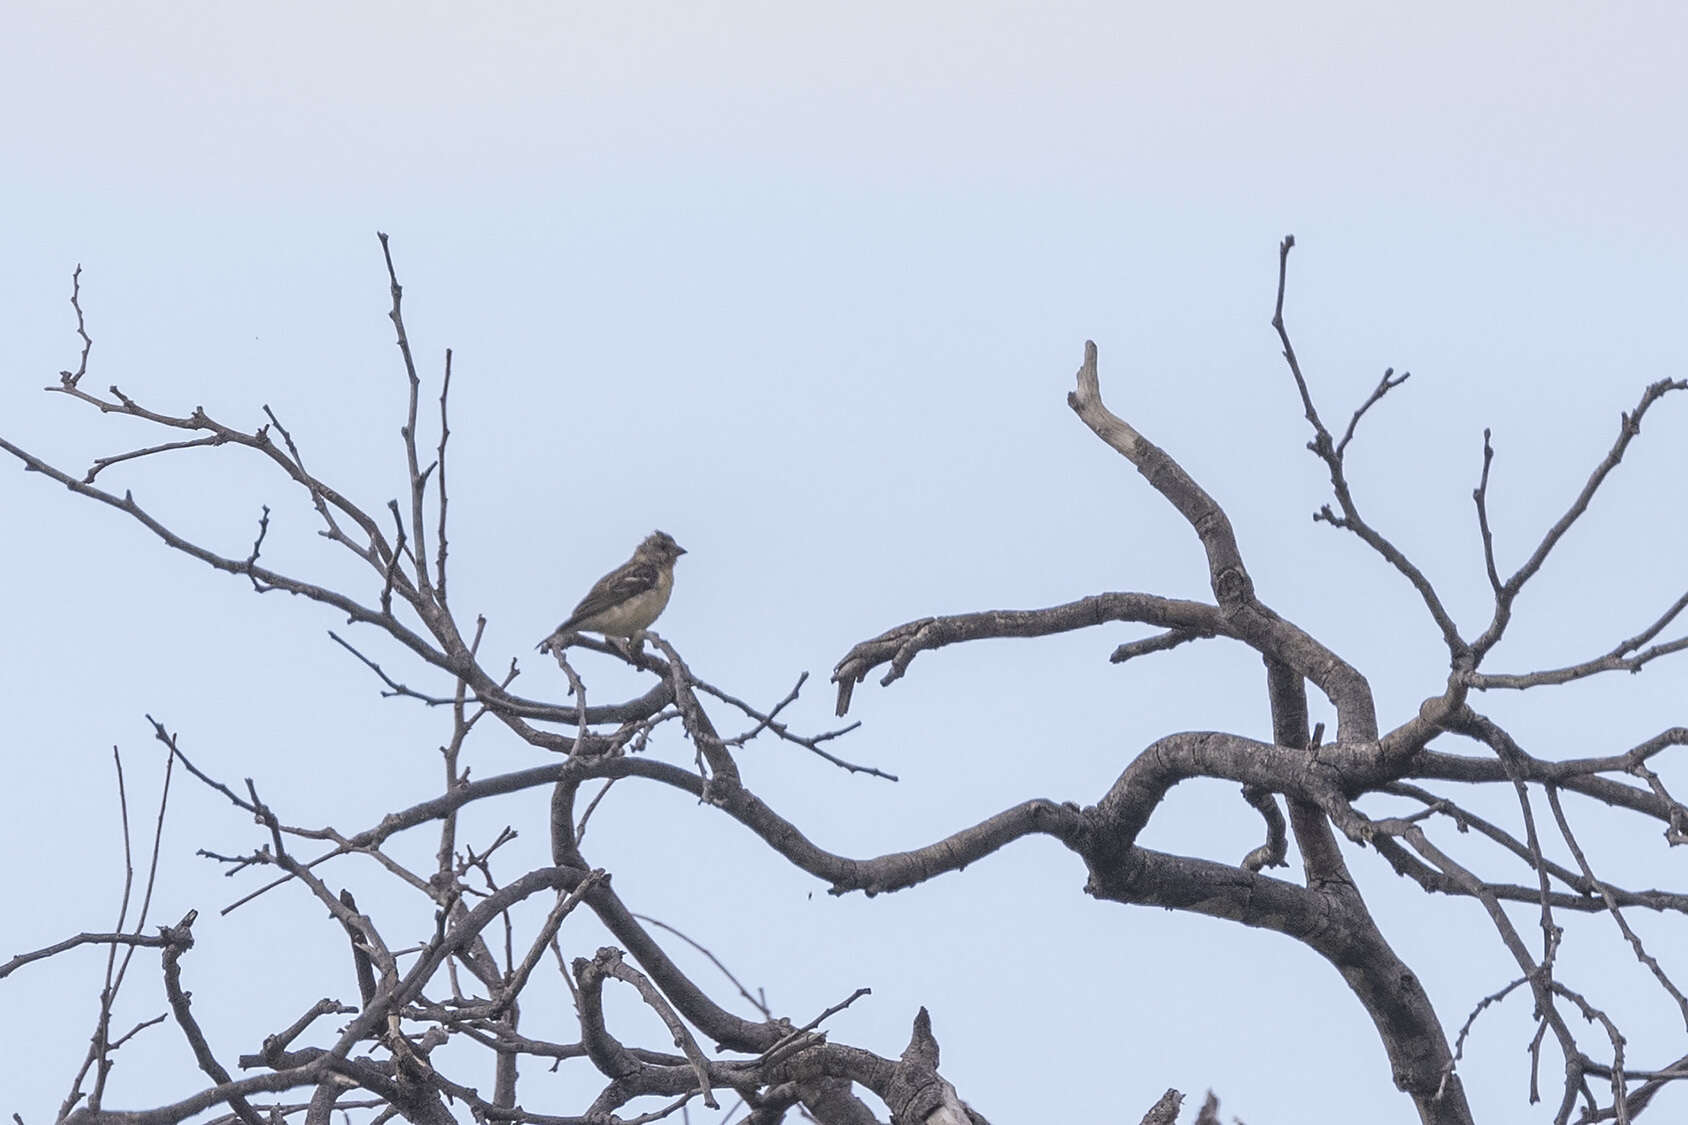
[(624, 602)]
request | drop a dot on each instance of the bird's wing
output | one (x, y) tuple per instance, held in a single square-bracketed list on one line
[(627, 581)]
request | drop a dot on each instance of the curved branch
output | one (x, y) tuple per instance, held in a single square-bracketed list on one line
[(899, 646), (1239, 613), (731, 1031), (1124, 812), (1330, 925), (890, 872), (1248, 619), (610, 1056), (1230, 581)]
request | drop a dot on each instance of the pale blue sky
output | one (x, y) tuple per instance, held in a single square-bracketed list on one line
[(805, 285)]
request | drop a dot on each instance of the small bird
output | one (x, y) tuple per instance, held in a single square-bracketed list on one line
[(624, 602)]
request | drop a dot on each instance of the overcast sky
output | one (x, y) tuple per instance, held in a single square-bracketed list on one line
[(805, 286)]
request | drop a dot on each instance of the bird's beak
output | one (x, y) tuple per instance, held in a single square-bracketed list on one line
[(678, 550)]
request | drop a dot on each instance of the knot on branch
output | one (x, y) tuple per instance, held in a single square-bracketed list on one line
[(1233, 588), (917, 1094), (179, 938)]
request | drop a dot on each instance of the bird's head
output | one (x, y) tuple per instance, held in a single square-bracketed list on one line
[(660, 545)]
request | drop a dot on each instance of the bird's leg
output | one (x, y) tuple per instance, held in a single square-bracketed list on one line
[(632, 648)]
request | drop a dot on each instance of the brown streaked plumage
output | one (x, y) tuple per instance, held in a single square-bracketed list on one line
[(627, 600)]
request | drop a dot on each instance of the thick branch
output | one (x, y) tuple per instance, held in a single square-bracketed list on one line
[(1230, 580), (1390, 992), (899, 646), (1320, 856)]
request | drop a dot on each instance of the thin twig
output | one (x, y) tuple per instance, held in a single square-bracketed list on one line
[(102, 463), (1160, 642), (1331, 453), (417, 483), (1629, 427), (394, 688), (393, 560), (1386, 384), (756, 1002), (258, 546), (153, 941), (1465, 1029), (1622, 658), (591, 806), (318, 498), (517, 980), (1480, 496), (1612, 908), (98, 1046), (69, 379), (770, 722), (439, 459)]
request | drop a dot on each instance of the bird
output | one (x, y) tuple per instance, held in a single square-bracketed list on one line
[(627, 600)]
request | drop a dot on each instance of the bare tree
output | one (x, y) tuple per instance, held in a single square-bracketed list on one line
[(430, 1021)]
